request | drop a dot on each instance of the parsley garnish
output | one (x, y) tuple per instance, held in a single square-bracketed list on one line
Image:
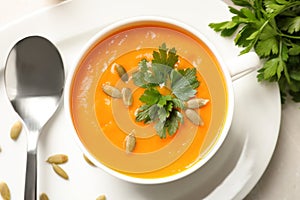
[(161, 71), (272, 28)]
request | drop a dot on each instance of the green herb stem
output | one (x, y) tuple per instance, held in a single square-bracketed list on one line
[(272, 28)]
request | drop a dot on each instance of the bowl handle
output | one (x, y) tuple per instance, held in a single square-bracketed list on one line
[(243, 65)]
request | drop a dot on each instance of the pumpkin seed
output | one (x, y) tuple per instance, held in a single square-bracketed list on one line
[(44, 196), (196, 103), (57, 159), (194, 117), (130, 142), (59, 171), (88, 161), (127, 96), (15, 130), (4, 191), (121, 72), (111, 91), (101, 197)]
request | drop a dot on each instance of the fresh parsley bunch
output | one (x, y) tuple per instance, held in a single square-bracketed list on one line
[(161, 71), (272, 28)]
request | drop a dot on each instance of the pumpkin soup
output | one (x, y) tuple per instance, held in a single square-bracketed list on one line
[(145, 111)]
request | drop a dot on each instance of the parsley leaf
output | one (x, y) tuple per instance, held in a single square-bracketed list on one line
[(190, 75), (165, 56), (144, 114), (245, 3), (161, 109), (150, 96), (140, 77), (290, 24), (183, 87), (164, 110), (267, 43), (272, 29), (151, 74), (174, 121), (294, 50)]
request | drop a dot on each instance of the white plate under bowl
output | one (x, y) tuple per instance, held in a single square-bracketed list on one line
[(230, 174)]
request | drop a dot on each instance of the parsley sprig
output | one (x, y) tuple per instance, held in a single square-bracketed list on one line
[(272, 29), (161, 71)]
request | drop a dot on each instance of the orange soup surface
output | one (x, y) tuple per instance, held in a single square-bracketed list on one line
[(103, 122)]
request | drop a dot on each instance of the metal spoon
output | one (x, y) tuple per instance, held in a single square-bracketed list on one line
[(34, 81)]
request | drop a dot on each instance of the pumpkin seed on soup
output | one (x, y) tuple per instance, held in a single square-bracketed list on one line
[(127, 96), (194, 117), (196, 103), (4, 191), (16, 130), (130, 142), (111, 91), (121, 72), (57, 159)]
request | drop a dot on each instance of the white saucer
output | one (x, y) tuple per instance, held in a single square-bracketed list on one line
[(230, 174)]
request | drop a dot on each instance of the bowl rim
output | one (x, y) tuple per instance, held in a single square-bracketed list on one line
[(110, 30)]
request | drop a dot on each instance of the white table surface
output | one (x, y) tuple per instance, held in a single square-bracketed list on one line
[(280, 181)]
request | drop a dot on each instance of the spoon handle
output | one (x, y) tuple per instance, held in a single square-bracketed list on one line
[(30, 181)]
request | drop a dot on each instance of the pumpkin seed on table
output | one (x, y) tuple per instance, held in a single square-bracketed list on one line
[(196, 103), (194, 117), (16, 130), (121, 72), (59, 171), (57, 159), (111, 91), (101, 197), (44, 196), (127, 96), (88, 161), (4, 191), (130, 142)]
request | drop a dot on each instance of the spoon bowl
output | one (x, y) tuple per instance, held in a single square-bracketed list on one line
[(34, 81)]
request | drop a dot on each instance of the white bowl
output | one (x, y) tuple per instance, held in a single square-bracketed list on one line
[(150, 20)]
